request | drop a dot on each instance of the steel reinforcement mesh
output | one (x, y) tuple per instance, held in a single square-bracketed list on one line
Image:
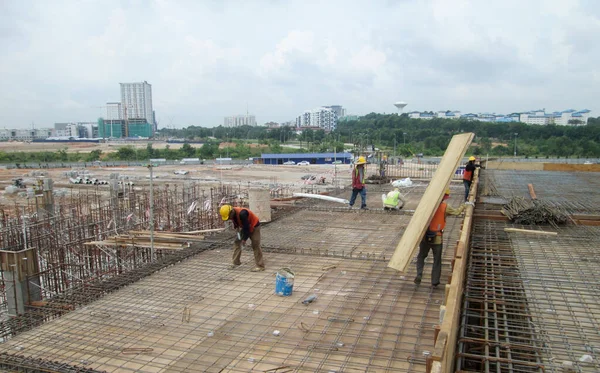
[(198, 316), (531, 301)]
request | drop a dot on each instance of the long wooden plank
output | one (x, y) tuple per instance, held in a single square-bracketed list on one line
[(518, 230), (429, 203)]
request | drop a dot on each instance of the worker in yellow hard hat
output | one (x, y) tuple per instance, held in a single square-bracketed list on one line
[(247, 225), (433, 239), (468, 176), (358, 183)]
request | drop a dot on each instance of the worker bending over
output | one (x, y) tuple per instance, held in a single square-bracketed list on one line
[(393, 200), (247, 225), (433, 240)]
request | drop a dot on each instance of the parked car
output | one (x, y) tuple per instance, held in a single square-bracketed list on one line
[(303, 163), (289, 162)]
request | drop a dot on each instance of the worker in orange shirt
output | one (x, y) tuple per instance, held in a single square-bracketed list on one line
[(247, 225), (468, 176), (433, 240)]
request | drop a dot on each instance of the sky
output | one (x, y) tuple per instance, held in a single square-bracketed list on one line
[(63, 60)]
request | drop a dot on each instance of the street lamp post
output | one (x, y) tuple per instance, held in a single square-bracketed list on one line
[(516, 134)]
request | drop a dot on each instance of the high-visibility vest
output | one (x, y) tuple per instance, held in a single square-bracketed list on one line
[(438, 223), (391, 199), (357, 182), (468, 175), (253, 219)]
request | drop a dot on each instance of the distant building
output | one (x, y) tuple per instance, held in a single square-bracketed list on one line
[(540, 117), (136, 101), (87, 130), (272, 125), (312, 158), (25, 134), (239, 120), (421, 115), (124, 129), (347, 118), (562, 118), (324, 118), (338, 110), (114, 111)]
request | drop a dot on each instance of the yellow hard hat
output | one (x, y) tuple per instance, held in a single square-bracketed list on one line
[(471, 158), (361, 160), (447, 192), (225, 211)]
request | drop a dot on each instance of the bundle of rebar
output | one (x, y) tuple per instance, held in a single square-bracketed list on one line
[(489, 188), (533, 212)]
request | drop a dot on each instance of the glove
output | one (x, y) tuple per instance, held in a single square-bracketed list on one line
[(470, 203)]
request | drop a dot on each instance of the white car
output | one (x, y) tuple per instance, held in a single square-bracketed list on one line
[(289, 162), (303, 163)]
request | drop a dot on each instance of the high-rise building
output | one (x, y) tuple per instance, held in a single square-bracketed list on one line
[(114, 111), (338, 110), (239, 120), (136, 101), (323, 117)]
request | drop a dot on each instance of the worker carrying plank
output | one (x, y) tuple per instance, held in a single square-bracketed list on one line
[(433, 240), (394, 200), (247, 225)]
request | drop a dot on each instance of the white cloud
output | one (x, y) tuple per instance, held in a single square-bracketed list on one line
[(208, 59)]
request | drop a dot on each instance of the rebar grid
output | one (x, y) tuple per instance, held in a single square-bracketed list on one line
[(59, 235), (199, 316), (530, 302), (575, 192), (560, 276), (495, 332)]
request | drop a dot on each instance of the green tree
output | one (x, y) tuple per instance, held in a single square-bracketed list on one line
[(187, 151), (94, 155), (126, 153)]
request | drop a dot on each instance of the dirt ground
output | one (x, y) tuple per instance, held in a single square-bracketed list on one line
[(288, 178), (15, 146)]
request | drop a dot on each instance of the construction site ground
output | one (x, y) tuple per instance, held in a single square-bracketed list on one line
[(199, 316), (530, 302)]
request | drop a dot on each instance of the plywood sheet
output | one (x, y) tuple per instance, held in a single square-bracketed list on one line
[(430, 201)]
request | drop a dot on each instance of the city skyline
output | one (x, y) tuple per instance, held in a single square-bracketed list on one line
[(202, 72)]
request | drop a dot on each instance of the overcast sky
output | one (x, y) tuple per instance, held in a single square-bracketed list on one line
[(63, 60)]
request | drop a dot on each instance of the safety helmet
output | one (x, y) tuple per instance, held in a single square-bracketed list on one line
[(361, 160), (471, 158), (225, 211)]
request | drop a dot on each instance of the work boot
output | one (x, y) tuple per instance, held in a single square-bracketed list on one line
[(233, 266), (257, 269), (349, 207), (364, 208), (417, 280), (435, 285)]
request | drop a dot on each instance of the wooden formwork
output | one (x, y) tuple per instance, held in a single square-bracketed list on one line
[(442, 359)]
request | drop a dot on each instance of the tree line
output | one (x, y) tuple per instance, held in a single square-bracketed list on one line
[(397, 134)]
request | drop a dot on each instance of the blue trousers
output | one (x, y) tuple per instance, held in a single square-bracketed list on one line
[(467, 188), (363, 196)]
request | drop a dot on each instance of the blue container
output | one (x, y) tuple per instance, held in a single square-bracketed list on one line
[(284, 282)]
